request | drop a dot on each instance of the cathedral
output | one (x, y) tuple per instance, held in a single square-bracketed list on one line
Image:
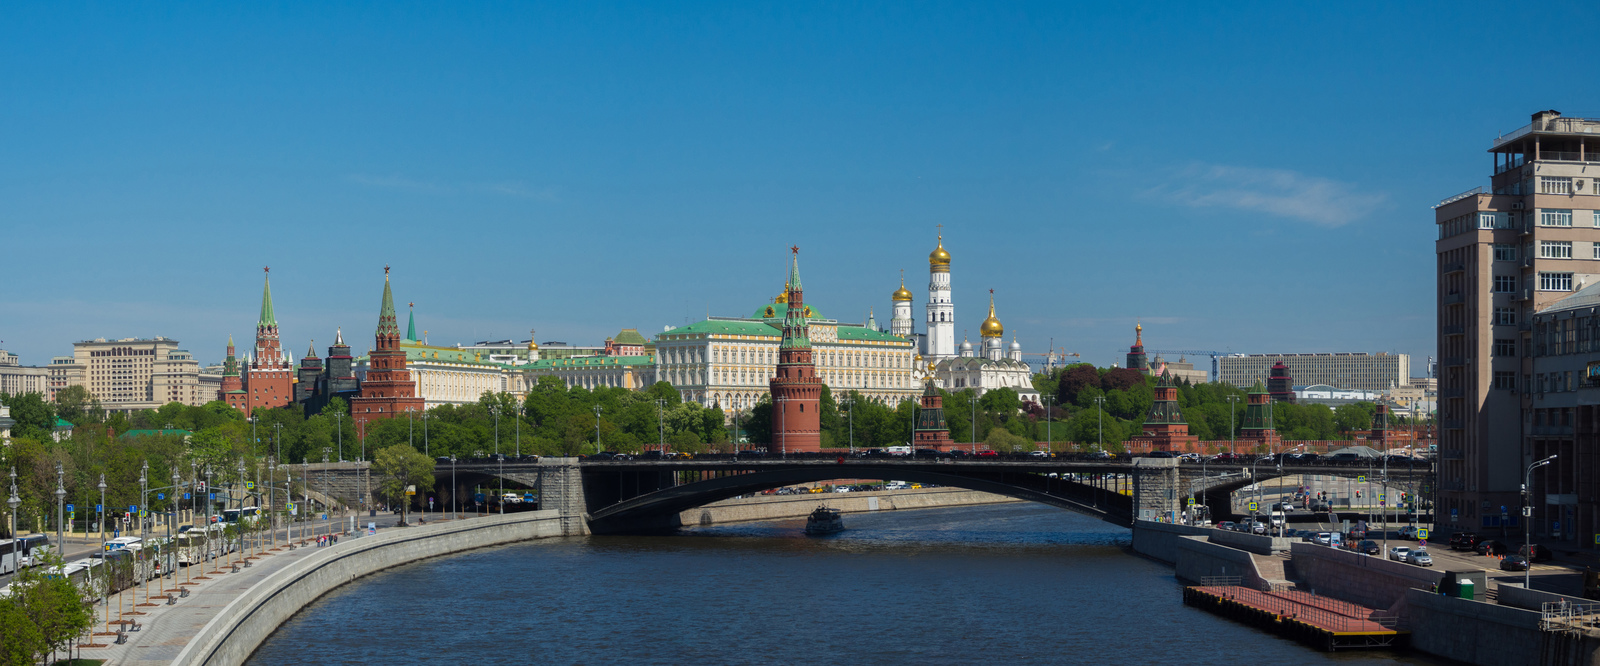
[(991, 365)]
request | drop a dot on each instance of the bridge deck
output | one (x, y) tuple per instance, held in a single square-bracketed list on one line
[(1321, 621)]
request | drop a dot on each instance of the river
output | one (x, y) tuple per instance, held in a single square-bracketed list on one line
[(998, 583)]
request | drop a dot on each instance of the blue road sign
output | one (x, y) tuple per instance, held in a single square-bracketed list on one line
[(161, 496), (69, 507), (213, 495), (99, 507), (186, 495), (133, 507)]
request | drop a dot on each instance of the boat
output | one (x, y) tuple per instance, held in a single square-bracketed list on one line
[(824, 521)]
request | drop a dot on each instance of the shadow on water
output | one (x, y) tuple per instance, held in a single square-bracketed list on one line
[(999, 583)]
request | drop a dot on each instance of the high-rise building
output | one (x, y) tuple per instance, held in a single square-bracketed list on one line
[(1504, 253), (1346, 370), (387, 391), (796, 389), (131, 374)]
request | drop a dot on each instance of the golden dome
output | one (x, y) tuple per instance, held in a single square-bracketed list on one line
[(901, 294), (991, 327), (939, 257)]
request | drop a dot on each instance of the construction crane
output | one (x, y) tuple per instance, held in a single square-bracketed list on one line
[(1216, 372), (1052, 356)]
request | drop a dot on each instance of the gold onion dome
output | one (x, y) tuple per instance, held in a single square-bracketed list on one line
[(991, 327), (901, 294), (939, 256)]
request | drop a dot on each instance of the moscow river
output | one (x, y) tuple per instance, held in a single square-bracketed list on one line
[(1000, 584)]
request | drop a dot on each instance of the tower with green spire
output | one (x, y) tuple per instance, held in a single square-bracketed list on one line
[(388, 390), (1258, 425), (232, 391), (267, 379), (1164, 428), (796, 389), (411, 326)]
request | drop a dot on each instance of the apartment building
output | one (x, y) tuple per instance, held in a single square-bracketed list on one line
[(131, 374), (1505, 252), (1356, 371), (17, 379)]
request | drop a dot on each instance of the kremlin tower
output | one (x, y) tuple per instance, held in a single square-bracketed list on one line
[(931, 431), (1164, 427), (1136, 356), (267, 377), (796, 390), (1258, 425), (387, 391), (232, 391)]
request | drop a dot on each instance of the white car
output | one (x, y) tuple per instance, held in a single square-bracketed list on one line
[(1324, 538), (1399, 553), (1408, 532), (512, 498)]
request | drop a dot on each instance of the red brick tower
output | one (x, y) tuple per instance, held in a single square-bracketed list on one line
[(931, 431), (232, 391), (1164, 427), (387, 391), (796, 390), (268, 379)]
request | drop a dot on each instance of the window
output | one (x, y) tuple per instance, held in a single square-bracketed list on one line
[(1488, 220), (1555, 281), (1555, 249), (1509, 253), (1555, 185), (1505, 284), (1505, 347), (1539, 384), (1505, 381), (1555, 217), (1566, 376)]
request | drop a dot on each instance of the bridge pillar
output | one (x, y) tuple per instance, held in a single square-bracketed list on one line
[(561, 488), (1155, 489)]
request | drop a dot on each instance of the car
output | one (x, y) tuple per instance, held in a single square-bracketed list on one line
[(930, 453), (1398, 553), (1369, 547), (1258, 527), (1227, 525), (1409, 532), (960, 453), (987, 453), (1036, 454), (1535, 553), (1488, 547), (1285, 507), (1095, 455), (841, 489), (1321, 507), (1463, 541), (1161, 454), (1189, 457), (1420, 557), (1324, 538), (652, 455), (1514, 563), (1308, 457)]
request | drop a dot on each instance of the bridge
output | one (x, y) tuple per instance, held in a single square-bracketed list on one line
[(634, 495)]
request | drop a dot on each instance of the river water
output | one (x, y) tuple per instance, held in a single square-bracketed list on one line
[(999, 583)]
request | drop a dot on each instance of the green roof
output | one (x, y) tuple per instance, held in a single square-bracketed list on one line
[(728, 327), (585, 362), (419, 352), (863, 333), (142, 433), (267, 319), (630, 336), (781, 310), (62, 423)]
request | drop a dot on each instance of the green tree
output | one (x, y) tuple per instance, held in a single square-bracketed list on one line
[(42, 614), (400, 466), (35, 416), (76, 404), (1004, 441)]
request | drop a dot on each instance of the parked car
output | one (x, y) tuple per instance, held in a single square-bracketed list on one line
[(1535, 553), (1325, 538), (1369, 547), (1514, 563), (1463, 541), (1258, 527), (1491, 547), (930, 453), (1409, 532), (1035, 454), (1420, 557), (1398, 553), (1227, 525), (987, 453), (1227, 458), (1321, 507), (1099, 455)]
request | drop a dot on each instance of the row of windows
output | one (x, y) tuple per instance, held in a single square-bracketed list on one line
[(1507, 284)]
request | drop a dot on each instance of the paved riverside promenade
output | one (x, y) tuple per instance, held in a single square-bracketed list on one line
[(167, 629)]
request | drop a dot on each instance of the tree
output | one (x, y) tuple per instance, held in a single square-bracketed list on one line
[(399, 466), (1004, 441), (75, 404), (42, 614), (35, 417), (1074, 379)]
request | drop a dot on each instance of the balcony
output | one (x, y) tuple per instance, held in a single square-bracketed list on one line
[(1456, 267), (1452, 454), (1472, 192), (1549, 431), (1450, 424), (1452, 393), (1448, 361), (1550, 125), (1452, 299), (1453, 329)]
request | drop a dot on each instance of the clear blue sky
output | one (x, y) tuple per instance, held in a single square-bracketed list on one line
[(1244, 177)]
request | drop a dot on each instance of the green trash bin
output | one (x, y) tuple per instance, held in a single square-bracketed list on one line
[(1465, 588)]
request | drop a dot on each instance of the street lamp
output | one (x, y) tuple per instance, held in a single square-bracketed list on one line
[(850, 404), (272, 498), (277, 439), (102, 509), (425, 434), (15, 501), (61, 496), (1232, 400), (661, 426), (338, 418), (1527, 521), (597, 447), (455, 500), (1100, 421), (496, 412)]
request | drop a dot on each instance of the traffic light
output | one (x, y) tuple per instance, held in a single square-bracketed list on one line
[(1358, 494)]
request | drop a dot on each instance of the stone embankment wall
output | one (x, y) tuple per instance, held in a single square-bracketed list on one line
[(1198, 559), (235, 632), (1370, 580), (1256, 543), (1160, 540), (776, 507)]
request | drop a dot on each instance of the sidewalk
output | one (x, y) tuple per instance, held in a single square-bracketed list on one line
[(165, 629)]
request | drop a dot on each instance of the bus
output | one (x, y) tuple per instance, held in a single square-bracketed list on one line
[(247, 514), (10, 556), (191, 547), (130, 544)]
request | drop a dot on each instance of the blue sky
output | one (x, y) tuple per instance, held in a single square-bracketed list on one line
[(1247, 177)]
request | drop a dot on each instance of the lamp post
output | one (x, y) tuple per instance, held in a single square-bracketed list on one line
[(783, 415), (496, 412), (254, 439), (597, 447), (411, 429), (277, 439), (661, 426), (455, 500), (850, 405), (1280, 487), (15, 501), (272, 500), (1050, 441), (517, 448), (338, 418), (1232, 400), (1100, 421), (425, 435), (61, 496), (1527, 521), (102, 509)]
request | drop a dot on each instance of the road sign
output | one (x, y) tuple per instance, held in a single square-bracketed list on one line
[(1191, 501), (291, 506), (1361, 479), (1527, 512), (249, 485), (161, 496), (213, 495), (411, 490), (69, 507), (99, 507), (186, 495), (1254, 506), (1422, 543), (1422, 533), (132, 508)]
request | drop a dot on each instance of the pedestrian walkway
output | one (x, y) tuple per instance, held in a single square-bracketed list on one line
[(166, 629)]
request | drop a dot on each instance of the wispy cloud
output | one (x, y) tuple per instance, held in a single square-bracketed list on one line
[(1275, 191), (509, 189)]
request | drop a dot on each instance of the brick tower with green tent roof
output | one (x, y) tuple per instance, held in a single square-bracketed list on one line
[(388, 390), (931, 431), (1164, 428), (796, 389), (268, 380), (232, 391), (1258, 429)]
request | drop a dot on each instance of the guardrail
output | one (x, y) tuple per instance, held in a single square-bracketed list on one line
[(1450, 200)]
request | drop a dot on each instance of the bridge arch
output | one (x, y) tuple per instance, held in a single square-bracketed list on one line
[(660, 508)]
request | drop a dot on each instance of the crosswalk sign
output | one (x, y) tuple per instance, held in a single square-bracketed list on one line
[(1254, 506), (1361, 479), (249, 485), (1422, 534)]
